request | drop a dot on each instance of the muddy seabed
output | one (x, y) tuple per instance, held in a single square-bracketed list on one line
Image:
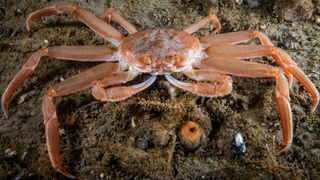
[(139, 137)]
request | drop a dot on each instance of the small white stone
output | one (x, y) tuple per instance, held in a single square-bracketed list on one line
[(318, 20), (61, 131), (240, 145), (263, 26), (10, 152), (102, 175), (133, 124), (46, 41), (239, 140)]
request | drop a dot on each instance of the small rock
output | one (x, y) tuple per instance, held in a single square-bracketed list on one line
[(7, 31), (102, 175), (318, 19), (141, 143), (294, 10), (240, 146)]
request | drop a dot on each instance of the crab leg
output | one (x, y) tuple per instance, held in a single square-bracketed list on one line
[(251, 69), (234, 38), (68, 86), (97, 25), (81, 53), (206, 75), (121, 92), (116, 78), (210, 18), (252, 51), (240, 37), (204, 89), (110, 13)]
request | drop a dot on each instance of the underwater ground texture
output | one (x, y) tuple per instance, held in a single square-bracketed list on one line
[(140, 137)]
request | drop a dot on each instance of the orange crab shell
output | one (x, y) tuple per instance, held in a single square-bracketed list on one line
[(160, 51)]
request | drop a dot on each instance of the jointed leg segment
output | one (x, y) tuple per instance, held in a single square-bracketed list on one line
[(97, 25), (210, 18), (69, 86), (121, 92), (212, 89), (110, 13), (233, 38), (252, 51), (81, 53), (251, 69)]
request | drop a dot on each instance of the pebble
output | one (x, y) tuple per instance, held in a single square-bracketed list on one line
[(318, 19), (7, 31), (102, 175), (141, 143), (240, 146)]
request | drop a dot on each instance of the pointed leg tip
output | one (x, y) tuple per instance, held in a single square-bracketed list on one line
[(283, 148), (28, 24), (5, 111), (65, 173), (314, 105), (6, 115)]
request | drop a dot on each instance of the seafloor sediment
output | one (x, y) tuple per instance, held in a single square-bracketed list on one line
[(139, 137)]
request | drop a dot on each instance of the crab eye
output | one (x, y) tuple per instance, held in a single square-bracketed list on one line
[(146, 60)]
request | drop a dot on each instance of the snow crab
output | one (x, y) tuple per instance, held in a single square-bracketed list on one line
[(210, 60)]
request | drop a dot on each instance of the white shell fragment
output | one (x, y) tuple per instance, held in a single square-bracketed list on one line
[(239, 144)]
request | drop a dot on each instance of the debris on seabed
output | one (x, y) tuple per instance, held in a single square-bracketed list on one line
[(240, 146), (9, 153)]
